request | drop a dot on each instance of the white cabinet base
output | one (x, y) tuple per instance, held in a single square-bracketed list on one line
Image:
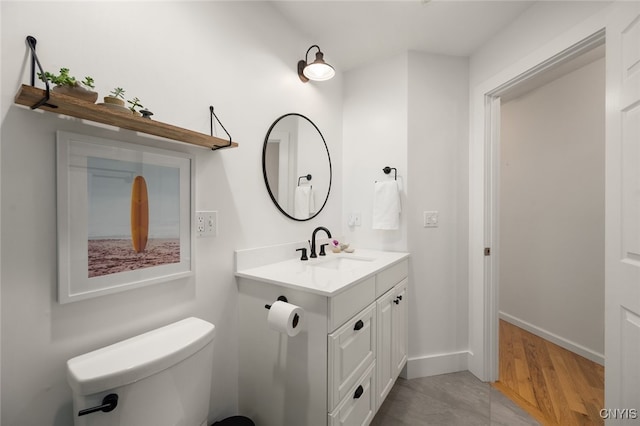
[(342, 364)]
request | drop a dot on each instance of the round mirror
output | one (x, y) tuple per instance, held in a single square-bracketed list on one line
[(296, 166)]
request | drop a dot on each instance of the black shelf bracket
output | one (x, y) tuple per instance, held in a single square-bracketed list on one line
[(31, 42), (213, 115)]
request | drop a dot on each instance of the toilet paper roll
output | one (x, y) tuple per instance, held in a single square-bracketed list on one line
[(285, 318)]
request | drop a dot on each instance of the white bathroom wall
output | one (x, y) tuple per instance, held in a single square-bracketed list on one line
[(375, 136), (437, 153), (542, 23), (178, 58), (410, 112), (552, 210)]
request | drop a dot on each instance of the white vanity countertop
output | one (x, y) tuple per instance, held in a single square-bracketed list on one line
[(326, 275)]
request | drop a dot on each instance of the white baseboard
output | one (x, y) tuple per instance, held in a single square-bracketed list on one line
[(432, 365), (554, 338)]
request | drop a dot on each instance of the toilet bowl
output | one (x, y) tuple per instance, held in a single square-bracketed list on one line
[(159, 378)]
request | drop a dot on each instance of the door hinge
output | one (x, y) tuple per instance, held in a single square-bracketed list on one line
[(487, 251)]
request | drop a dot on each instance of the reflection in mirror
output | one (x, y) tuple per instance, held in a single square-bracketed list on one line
[(296, 166)]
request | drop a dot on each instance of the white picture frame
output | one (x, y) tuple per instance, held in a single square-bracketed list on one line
[(96, 255)]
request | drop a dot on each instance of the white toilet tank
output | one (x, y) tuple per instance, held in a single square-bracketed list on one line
[(161, 378)]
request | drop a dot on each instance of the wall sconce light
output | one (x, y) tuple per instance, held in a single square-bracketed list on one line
[(318, 70)]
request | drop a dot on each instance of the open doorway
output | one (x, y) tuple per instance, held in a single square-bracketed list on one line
[(548, 223)]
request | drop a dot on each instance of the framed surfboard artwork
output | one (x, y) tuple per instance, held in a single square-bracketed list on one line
[(124, 216)]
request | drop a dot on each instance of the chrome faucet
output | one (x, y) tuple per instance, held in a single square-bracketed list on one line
[(313, 240)]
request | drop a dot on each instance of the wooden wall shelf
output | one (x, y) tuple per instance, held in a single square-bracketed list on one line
[(73, 107)]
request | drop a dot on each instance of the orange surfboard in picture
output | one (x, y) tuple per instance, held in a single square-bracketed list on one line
[(139, 214)]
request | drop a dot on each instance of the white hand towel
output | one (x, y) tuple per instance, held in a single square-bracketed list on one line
[(386, 205), (303, 203), (312, 201)]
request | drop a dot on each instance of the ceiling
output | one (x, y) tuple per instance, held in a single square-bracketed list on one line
[(352, 33)]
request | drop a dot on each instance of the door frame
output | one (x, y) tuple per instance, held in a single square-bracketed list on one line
[(492, 164), (484, 190)]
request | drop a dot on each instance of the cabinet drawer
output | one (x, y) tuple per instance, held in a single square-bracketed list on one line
[(352, 350), (391, 276), (359, 406), (348, 303)]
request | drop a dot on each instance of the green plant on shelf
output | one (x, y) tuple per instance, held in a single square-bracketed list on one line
[(118, 92), (65, 79), (135, 103)]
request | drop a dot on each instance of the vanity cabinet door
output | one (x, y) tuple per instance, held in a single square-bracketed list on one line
[(400, 324), (392, 337), (384, 349), (352, 349)]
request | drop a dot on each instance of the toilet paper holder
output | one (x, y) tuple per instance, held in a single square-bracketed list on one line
[(296, 317), (281, 299)]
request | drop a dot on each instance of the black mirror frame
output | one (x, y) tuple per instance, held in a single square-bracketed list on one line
[(264, 169)]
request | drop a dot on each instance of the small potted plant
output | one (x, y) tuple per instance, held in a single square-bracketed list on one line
[(135, 103), (116, 97), (69, 85)]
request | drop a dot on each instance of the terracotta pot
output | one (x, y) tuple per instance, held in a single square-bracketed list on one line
[(77, 92), (113, 101)]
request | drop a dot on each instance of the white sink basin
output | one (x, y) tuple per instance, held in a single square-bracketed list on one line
[(325, 275), (342, 263)]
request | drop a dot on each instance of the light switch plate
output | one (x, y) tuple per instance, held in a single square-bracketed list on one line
[(431, 219)]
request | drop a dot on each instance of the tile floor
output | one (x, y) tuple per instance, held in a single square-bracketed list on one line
[(454, 399)]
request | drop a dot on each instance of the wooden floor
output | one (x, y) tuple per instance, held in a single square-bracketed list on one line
[(554, 385)]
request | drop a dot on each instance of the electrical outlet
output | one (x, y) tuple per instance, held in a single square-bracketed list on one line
[(206, 223), (354, 219), (431, 219), (357, 218)]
